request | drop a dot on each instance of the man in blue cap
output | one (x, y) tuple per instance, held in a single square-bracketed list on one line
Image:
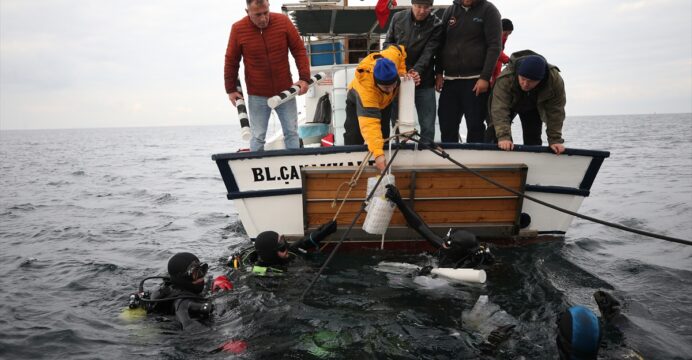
[(532, 88), (369, 100)]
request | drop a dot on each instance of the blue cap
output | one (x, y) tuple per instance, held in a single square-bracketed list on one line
[(385, 72), (532, 67)]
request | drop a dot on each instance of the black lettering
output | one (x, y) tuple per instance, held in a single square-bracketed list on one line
[(269, 176), (284, 173), (294, 173), (257, 174)]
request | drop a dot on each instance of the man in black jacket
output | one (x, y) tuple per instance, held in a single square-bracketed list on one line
[(419, 31), (471, 45)]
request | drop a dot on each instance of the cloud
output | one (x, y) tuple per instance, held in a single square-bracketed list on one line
[(85, 63)]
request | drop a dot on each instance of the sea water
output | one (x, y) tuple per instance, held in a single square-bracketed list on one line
[(85, 214)]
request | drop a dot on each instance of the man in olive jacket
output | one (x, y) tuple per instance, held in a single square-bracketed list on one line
[(419, 31), (534, 89)]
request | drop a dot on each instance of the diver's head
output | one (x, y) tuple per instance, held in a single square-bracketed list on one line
[(271, 247), (578, 334), (186, 272), (461, 243)]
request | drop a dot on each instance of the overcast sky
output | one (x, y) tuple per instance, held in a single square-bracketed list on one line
[(87, 63)]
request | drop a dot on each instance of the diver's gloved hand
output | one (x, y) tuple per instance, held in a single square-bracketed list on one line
[(500, 334), (393, 194), (322, 232), (608, 305), (221, 283), (425, 270)]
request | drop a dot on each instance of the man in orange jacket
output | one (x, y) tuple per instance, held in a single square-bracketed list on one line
[(263, 39), (369, 100)]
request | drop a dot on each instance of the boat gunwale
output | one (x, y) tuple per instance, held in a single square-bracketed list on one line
[(362, 148)]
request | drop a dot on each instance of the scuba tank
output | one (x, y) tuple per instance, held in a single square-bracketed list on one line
[(165, 301)]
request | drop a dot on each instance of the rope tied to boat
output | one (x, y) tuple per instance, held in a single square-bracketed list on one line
[(348, 230), (437, 150), (351, 184)]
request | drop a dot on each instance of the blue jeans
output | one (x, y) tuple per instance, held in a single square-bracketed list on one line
[(426, 107), (259, 120)]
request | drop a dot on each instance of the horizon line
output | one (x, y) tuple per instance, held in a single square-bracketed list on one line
[(236, 124)]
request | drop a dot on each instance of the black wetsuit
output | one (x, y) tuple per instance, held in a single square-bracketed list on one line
[(458, 249), (190, 309)]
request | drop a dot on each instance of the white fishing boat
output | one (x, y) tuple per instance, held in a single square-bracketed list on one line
[(294, 191)]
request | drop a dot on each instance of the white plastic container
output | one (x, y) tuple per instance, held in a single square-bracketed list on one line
[(276, 142), (341, 80), (377, 220), (381, 189)]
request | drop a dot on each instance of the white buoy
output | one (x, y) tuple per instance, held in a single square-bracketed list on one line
[(467, 275)]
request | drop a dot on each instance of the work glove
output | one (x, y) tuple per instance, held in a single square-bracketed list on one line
[(221, 283), (425, 270), (323, 231), (393, 194), (500, 334), (608, 305)]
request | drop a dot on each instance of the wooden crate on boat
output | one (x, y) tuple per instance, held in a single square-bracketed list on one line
[(443, 197)]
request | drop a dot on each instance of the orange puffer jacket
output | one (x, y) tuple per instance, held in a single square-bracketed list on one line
[(265, 56)]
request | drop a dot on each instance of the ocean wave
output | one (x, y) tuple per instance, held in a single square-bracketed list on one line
[(23, 207), (165, 199)]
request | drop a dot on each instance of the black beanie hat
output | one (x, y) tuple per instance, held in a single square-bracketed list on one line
[(177, 270), (507, 25), (532, 67), (266, 245), (463, 240)]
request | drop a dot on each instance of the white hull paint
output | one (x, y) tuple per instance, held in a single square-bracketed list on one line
[(267, 188)]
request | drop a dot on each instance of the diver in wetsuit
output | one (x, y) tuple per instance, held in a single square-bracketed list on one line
[(182, 292), (580, 331), (272, 253), (457, 249)]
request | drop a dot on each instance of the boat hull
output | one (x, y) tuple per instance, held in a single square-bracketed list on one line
[(269, 193)]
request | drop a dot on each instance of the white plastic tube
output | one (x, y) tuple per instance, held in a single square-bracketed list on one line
[(407, 105), (291, 92), (245, 133), (468, 275)]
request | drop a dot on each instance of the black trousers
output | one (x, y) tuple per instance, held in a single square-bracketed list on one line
[(456, 100), (531, 127), (352, 135)]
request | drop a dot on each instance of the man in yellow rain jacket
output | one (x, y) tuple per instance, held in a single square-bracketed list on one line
[(369, 99)]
